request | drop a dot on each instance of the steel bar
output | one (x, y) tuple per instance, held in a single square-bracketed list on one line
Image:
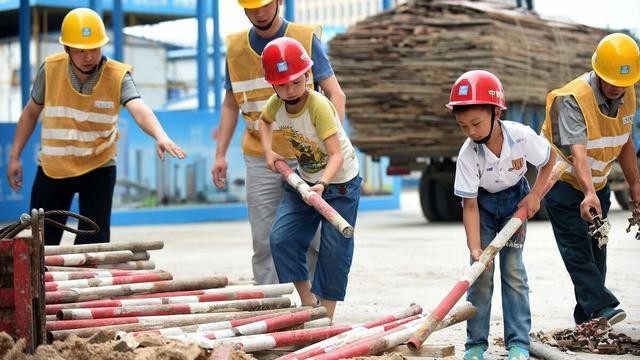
[(134, 246), (173, 309), (88, 294), (473, 272), (129, 265), (380, 342), (86, 328), (261, 292), (357, 332), (259, 327), (314, 199), (218, 325), (89, 258), (273, 340), (94, 274), (118, 280), (232, 292)]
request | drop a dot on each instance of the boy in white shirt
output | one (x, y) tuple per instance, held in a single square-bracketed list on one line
[(490, 177), (326, 160)]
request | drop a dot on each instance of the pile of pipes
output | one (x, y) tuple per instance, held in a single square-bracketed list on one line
[(397, 67), (115, 287)]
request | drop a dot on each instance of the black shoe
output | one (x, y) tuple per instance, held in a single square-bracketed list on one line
[(614, 316)]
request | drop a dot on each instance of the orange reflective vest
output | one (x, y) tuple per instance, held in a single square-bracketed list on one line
[(250, 89), (79, 131), (605, 135)]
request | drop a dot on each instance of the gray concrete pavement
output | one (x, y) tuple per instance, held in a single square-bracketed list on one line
[(400, 259)]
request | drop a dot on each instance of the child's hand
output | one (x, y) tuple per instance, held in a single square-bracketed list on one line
[(166, 144), (318, 189), (475, 254), (532, 202), (271, 157)]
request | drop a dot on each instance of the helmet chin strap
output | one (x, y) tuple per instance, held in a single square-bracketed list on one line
[(486, 138), (268, 26)]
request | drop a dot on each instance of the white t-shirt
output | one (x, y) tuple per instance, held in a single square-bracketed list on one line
[(307, 131), (477, 167)]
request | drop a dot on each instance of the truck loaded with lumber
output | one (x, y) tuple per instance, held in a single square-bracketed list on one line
[(397, 68)]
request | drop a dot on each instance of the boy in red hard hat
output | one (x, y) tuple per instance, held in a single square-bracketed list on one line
[(326, 161), (490, 178)]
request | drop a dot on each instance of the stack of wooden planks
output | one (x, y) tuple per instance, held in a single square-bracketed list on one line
[(397, 67)]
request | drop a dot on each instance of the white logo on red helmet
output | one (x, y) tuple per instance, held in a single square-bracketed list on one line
[(496, 93)]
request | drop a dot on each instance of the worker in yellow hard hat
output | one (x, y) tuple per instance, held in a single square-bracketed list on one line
[(79, 93), (247, 92), (589, 122)]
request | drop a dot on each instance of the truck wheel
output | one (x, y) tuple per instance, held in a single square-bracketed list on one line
[(427, 203), (447, 204), (622, 196)]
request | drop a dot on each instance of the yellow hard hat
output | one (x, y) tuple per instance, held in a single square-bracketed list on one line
[(82, 28), (617, 60), (253, 4)]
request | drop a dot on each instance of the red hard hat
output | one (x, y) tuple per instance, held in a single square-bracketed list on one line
[(284, 59), (477, 87)]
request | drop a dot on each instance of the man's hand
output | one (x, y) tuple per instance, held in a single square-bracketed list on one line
[(590, 201), (165, 144), (14, 174), (219, 172)]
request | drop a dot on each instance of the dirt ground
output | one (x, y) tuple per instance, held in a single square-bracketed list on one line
[(401, 259)]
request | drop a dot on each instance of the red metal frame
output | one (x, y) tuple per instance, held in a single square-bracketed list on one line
[(20, 295)]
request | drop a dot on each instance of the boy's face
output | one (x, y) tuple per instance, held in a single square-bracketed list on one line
[(292, 90), (475, 123)]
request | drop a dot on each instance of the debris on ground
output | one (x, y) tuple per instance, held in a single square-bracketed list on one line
[(595, 336), (106, 345)]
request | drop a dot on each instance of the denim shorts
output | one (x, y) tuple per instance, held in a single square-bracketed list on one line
[(293, 229)]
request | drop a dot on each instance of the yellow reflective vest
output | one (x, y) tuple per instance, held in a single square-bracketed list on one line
[(251, 91), (605, 135), (79, 131)]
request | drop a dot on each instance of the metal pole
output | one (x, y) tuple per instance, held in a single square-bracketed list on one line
[(217, 57), (117, 25), (96, 5), (202, 56), (134, 246), (289, 10), (24, 20), (387, 4), (314, 199)]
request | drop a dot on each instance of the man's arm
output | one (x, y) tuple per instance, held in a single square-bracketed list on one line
[(583, 173), (228, 122), (629, 165), (148, 122), (334, 93), (24, 130)]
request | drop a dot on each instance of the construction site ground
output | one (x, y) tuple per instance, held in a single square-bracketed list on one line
[(401, 259)]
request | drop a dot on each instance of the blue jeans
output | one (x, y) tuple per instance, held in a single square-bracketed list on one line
[(584, 260), (495, 211), (292, 232)]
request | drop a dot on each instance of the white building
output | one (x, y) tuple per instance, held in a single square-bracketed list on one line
[(336, 13)]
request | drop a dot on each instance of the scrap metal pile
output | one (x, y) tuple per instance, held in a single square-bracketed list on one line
[(397, 67), (595, 336)]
